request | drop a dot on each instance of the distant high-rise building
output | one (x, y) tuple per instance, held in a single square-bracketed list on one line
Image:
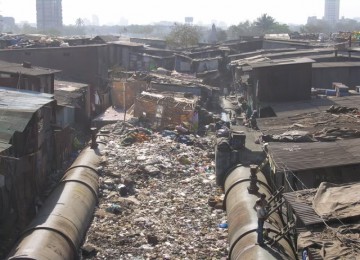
[(48, 14), (332, 10)]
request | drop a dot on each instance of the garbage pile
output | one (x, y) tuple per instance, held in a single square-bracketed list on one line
[(158, 198)]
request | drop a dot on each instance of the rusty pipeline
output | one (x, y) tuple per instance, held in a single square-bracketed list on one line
[(243, 186), (61, 224)]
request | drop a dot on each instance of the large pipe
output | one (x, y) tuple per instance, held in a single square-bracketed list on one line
[(239, 200), (61, 224)]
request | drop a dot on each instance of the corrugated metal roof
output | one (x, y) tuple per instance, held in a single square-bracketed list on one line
[(310, 122), (313, 105), (16, 68), (303, 210), (281, 62), (305, 156), (17, 108), (4, 147)]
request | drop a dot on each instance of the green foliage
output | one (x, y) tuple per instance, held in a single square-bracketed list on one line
[(242, 29), (262, 25), (183, 36), (316, 27)]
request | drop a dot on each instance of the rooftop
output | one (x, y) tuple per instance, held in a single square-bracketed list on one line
[(281, 62), (308, 156), (15, 68), (17, 108), (66, 92)]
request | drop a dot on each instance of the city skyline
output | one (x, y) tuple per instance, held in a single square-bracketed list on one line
[(143, 12)]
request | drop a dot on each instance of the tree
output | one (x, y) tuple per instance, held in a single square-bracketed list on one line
[(79, 22), (183, 35), (280, 28), (264, 23), (80, 25), (242, 29), (318, 26)]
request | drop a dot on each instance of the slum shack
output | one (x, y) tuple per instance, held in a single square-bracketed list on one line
[(26, 141), (166, 110), (124, 91), (182, 83), (73, 103), (326, 221), (27, 77)]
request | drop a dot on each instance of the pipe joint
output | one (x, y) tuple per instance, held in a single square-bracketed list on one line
[(253, 188), (94, 144)]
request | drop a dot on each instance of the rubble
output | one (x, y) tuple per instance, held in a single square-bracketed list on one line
[(165, 211)]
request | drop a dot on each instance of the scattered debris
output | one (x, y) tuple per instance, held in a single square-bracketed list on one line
[(165, 214)]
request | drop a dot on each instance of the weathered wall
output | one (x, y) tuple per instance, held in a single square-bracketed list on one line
[(323, 77), (43, 84), (173, 113), (88, 64), (130, 89), (34, 149), (283, 83)]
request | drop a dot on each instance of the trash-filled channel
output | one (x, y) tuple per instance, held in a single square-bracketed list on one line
[(154, 201)]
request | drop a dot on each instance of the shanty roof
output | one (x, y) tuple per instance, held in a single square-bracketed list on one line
[(4, 147), (298, 200), (273, 55), (287, 109), (327, 202), (306, 156), (16, 68), (207, 59), (165, 95), (333, 203), (66, 92), (128, 44), (180, 80), (336, 64), (281, 62), (17, 108), (106, 38), (312, 123)]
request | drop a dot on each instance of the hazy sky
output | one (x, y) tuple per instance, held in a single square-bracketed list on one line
[(203, 11)]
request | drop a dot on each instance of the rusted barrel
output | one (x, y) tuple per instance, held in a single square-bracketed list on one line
[(60, 226), (242, 219)]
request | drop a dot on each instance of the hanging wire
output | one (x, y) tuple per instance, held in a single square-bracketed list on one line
[(287, 171)]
